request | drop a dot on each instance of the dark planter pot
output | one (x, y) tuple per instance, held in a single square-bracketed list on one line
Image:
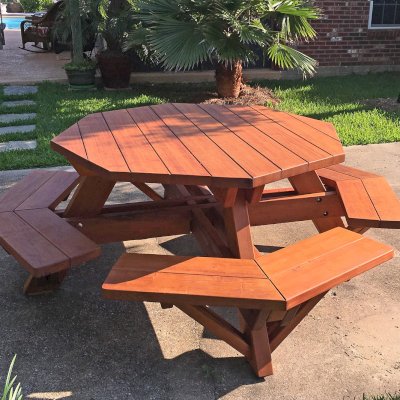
[(115, 70), (82, 79), (14, 8)]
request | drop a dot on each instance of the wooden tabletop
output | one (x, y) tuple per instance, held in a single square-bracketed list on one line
[(204, 144)]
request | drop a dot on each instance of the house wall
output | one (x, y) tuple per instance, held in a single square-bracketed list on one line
[(345, 40)]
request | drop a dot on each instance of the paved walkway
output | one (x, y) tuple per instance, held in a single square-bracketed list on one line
[(19, 66), (74, 345), (13, 115)]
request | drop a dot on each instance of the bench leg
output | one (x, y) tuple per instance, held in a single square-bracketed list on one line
[(255, 330), (44, 284)]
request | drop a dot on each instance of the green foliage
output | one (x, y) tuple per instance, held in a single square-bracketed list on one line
[(35, 5), (185, 33), (86, 65), (115, 19), (10, 391), (341, 100), (383, 397)]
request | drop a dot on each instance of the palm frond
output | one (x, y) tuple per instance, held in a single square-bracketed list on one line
[(287, 57)]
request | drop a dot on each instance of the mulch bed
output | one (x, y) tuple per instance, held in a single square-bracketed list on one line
[(385, 104), (248, 96)]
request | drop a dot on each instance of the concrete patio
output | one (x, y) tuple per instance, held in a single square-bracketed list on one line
[(72, 344), (19, 66)]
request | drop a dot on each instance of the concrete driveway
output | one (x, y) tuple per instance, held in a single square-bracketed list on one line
[(74, 345)]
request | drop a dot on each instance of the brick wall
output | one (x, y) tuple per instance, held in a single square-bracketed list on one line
[(344, 38)]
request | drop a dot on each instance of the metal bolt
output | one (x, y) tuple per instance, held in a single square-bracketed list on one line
[(318, 199), (325, 213), (80, 225)]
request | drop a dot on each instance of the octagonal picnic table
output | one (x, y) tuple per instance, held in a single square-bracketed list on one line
[(213, 162)]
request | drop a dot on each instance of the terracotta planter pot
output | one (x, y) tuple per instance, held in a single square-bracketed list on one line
[(229, 79), (115, 70)]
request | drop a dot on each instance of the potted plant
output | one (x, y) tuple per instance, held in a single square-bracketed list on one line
[(114, 63), (82, 75), (80, 71), (184, 33)]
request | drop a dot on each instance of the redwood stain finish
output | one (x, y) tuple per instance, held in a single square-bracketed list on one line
[(211, 145), (213, 162)]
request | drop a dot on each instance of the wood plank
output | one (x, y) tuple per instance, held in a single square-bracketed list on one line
[(217, 326), (356, 202), (90, 197), (283, 332), (148, 191), (69, 141), (127, 281), (296, 208), (269, 148), (237, 225), (353, 172), (225, 196), (254, 163), (18, 193), (135, 148), (52, 192), (320, 263), (310, 183), (29, 247), (135, 225), (175, 156), (100, 145), (76, 246), (323, 126), (306, 132), (312, 154), (211, 266), (385, 201), (213, 158), (330, 177)]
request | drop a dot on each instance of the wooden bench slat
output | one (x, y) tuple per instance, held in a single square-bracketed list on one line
[(76, 246), (133, 278), (17, 194), (227, 267), (357, 203), (385, 201), (30, 248), (368, 199), (291, 277), (300, 279), (52, 192), (305, 250)]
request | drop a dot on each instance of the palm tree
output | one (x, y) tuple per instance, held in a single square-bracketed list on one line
[(184, 33)]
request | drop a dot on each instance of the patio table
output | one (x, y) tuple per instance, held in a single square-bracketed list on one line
[(214, 163), (232, 150)]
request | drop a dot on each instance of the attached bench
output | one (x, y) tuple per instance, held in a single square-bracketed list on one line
[(42, 242), (368, 200), (273, 293)]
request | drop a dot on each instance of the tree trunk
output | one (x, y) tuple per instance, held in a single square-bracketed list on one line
[(76, 30), (229, 79)]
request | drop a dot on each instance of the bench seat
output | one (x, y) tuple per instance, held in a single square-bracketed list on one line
[(40, 240), (281, 280), (368, 200)]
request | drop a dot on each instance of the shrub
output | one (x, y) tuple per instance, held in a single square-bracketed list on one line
[(35, 5)]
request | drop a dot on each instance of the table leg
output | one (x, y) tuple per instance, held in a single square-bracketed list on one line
[(310, 182), (44, 284), (237, 226), (90, 197)]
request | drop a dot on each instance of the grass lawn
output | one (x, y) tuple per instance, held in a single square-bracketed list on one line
[(339, 100)]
